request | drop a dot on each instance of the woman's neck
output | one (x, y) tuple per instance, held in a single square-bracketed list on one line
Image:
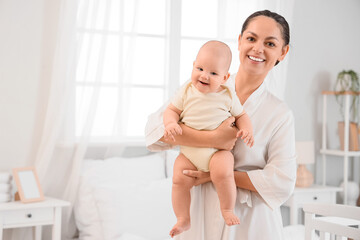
[(246, 84)]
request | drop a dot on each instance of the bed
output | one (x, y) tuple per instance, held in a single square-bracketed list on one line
[(126, 198)]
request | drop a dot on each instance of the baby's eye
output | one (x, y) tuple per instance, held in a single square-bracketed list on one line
[(213, 73), (270, 44), (200, 69)]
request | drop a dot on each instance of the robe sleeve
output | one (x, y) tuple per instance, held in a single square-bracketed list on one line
[(154, 129), (276, 181)]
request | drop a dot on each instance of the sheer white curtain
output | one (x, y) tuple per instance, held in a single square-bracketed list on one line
[(72, 111)]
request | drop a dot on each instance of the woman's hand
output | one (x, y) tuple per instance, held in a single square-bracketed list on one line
[(225, 134), (200, 177)]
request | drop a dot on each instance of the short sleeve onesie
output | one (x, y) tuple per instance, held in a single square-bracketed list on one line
[(205, 112)]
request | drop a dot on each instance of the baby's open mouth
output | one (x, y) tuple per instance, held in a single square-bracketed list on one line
[(204, 83)]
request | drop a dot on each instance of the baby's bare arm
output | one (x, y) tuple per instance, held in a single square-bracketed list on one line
[(171, 119), (243, 123), (224, 137)]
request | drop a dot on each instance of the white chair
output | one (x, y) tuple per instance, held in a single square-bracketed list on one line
[(332, 221)]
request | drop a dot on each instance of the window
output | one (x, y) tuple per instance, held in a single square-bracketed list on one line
[(133, 55)]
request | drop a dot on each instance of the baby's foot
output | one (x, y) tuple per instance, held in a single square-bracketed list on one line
[(230, 218), (181, 226)]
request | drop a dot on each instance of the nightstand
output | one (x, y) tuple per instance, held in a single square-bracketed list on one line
[(314, 193), (47, 212)]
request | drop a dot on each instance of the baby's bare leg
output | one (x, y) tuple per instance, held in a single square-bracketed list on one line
[(181, 194), (222, 174)]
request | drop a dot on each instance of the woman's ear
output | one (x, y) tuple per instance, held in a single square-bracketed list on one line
[(239, 40), (284, 51)]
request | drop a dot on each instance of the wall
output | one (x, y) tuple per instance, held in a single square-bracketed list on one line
[(28, 34), (325, 40), (20, 66)]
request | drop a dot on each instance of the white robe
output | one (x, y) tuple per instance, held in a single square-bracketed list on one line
[(270, 164)]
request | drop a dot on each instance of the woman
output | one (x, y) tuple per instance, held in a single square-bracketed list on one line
[(264, 174)]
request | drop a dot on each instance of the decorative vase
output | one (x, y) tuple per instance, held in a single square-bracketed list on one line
[(353, 136), (352, 192), (304, 177)]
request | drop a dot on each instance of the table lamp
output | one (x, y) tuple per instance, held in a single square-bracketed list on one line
[(305, 155)]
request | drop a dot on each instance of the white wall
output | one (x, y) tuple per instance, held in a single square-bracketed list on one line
[(20, 66), (27, 33), (325, 40)]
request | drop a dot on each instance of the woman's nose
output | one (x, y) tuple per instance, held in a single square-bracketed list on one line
[(258, 48)]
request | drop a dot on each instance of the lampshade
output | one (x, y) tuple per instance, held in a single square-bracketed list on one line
[(305, 155), (305, 152)]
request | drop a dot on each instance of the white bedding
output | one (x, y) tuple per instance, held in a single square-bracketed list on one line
[(125, 199)]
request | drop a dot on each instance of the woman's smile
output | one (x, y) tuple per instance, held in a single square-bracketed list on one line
[(256, 59)]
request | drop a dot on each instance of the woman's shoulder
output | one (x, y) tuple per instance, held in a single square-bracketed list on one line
[(231, 81), (279, 106)]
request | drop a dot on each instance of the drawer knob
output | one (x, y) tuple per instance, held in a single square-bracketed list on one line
[(29, 215), (315, 198)]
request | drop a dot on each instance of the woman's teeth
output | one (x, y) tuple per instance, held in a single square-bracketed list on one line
[(256, 59)]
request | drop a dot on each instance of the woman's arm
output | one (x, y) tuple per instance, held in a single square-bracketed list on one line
[(224, 137), (242, 179)]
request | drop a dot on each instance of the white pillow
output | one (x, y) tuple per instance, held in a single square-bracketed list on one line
[(110, 172), (87, 218), (136, 169), (143, 209)]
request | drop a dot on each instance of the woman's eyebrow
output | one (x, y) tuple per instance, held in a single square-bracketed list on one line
[(267, 38)]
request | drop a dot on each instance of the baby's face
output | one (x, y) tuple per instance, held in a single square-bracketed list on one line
[(209, 72)]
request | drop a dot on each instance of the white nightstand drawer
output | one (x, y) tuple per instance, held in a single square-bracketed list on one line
[(307, 197), (27, 216)]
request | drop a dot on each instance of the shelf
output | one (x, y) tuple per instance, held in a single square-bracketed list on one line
[(318, 188), (340, 153), (345, 155), (340, 93)]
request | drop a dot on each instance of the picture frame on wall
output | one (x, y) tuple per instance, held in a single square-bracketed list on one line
[(28, 185)]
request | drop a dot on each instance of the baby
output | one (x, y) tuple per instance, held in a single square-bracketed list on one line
[(203, 104)]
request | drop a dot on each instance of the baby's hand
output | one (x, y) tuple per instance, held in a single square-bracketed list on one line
[(171, 130), (246, 136)]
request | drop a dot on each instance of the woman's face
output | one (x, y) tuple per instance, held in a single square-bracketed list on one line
[(261, 45)]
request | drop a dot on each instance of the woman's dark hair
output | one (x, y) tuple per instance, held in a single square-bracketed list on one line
[(281, 21)]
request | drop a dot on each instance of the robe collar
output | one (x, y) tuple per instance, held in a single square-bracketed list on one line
[(254, 100)]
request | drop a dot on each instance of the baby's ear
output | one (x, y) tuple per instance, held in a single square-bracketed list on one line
[(226, 77)]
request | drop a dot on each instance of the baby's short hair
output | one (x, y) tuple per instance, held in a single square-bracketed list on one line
[(220, 48)]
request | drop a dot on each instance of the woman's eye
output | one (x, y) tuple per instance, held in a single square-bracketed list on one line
[(270, 44), (251, 39)]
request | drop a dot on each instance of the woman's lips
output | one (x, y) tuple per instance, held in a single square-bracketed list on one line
[(256, 59)]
